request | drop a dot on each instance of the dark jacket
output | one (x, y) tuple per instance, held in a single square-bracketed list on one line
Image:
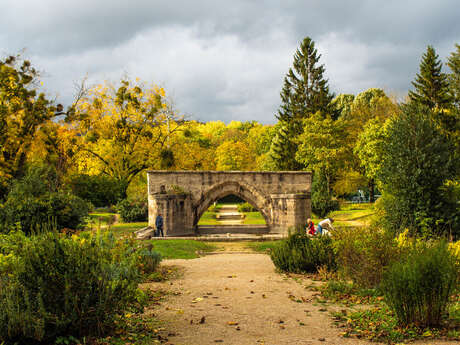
[(159, 222)]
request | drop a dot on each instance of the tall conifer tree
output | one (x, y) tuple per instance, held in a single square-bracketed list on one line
[(282, 150), (431, 86), (305, 92)]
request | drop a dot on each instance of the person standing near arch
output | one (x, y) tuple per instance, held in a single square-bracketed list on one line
[(159, 225)]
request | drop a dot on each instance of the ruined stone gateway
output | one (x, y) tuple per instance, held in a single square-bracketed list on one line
[(283, 198)]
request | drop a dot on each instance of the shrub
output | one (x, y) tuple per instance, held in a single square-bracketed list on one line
[(148, 260), (419, 287), (363, 254), (321, 201), (133, 210), (298, 253), (32, 201), (246, 207), (100, 190), (53, 285)]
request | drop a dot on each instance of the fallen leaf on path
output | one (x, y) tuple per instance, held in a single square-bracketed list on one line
[(232, 323)]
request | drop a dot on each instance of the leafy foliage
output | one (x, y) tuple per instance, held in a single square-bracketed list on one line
[(321, 199), (34, 200), (100, 190), (246, 207), (22, 112), (55, 286), (363, 254), (418, 160), (123, 129), (419, 287), (299, 254), (133, 210), (454, 76), (234, 156)]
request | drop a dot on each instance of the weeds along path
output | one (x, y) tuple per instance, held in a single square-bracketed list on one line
[(240, 299)]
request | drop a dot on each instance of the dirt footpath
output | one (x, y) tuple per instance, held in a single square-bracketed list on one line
[(240, 299)]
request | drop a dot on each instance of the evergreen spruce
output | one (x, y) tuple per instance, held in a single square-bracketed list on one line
[(431, 85), (305, 90), (283, 148)]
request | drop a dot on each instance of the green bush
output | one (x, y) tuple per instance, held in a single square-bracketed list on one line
[(419, 287), (133, 210), (100, 190), (321, 201), (53, 285), (148, 260), (299, 253), (363, 254), (33, 201), (246, 207)]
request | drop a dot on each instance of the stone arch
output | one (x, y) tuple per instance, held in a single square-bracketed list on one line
[(245, 192)]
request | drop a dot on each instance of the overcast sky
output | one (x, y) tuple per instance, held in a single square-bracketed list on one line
[(226, 60)]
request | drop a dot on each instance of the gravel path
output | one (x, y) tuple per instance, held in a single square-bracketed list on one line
[(240, 299)]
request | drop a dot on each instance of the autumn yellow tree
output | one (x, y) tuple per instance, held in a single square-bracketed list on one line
[(22, 111), (234, 156), (123, 129)]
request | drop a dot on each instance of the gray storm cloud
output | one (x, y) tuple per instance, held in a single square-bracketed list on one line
[(221, 60)]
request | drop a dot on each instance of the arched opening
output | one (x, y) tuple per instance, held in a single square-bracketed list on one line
[(232, 208)]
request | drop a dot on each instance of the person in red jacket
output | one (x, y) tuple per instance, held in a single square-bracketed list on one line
[(310, 229)]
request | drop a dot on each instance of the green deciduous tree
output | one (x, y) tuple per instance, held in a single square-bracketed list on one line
[(418, 160), (454, 76), (322, 146), (123, 131)]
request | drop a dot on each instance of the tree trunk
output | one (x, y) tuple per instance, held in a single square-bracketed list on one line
[(371, 186)]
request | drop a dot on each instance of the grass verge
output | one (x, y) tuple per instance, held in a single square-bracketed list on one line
[(181, 249), (262, 247)]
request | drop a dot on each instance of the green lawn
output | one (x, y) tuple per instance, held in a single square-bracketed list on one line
[(208, 218), (253, 218), (181, 249), (262, 247)]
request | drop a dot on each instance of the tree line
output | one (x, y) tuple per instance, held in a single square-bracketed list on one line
[(99, 146)]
